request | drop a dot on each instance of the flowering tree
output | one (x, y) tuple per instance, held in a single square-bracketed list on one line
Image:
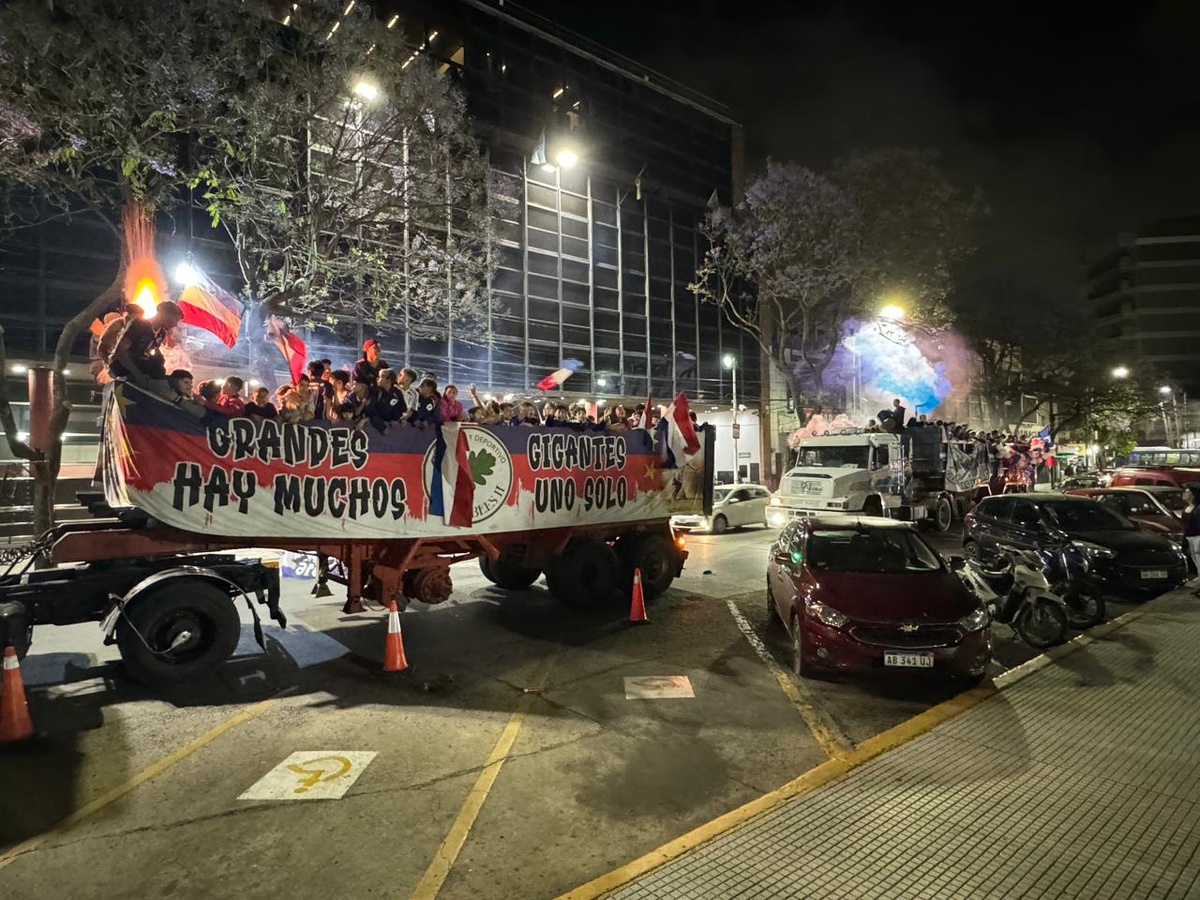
[(347, 176), (805, 253)]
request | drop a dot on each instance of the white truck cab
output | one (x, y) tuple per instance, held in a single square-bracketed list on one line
[(854, 471)]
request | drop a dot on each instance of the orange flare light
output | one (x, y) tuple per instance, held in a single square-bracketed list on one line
[(145, 283), (145, 295)]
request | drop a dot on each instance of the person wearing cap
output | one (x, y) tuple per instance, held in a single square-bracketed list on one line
[(367, 369)]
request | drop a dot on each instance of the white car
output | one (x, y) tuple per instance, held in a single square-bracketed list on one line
[(734, 505)]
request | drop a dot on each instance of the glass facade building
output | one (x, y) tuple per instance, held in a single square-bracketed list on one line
[(594, 259)]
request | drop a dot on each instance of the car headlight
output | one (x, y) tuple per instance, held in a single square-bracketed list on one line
[(1092, 552), (824, 614), (976, 621), (775, 501)]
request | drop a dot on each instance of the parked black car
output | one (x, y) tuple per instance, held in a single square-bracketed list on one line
[(1128, 561)]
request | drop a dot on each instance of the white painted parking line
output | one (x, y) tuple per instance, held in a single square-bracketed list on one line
[(311, 775), (659, 687)]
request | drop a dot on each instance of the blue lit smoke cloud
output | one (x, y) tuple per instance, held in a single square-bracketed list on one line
[(890, 363)]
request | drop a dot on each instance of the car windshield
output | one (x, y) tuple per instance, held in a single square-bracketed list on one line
[(720, 494), (834, 457), (1084, 515), (870, 550)]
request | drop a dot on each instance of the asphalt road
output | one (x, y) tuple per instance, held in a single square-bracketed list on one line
[(528, 749)]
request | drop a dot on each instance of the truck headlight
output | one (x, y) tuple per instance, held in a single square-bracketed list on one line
[(976, 621), (825, 614), (775, 501)]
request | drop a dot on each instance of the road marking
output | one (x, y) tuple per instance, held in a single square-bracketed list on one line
[(809, 781), (443, 860), (311, 775), (151, 771), (832, 739), (658, 687)]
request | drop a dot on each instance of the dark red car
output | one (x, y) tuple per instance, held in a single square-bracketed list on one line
[(864, 594)]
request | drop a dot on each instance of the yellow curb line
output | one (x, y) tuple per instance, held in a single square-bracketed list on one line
[(151, 771), (809, 781), (447, 853), (838, 766)]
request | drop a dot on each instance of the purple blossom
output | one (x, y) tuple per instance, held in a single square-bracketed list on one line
[(15, 125), (162, 167), (76, 142)]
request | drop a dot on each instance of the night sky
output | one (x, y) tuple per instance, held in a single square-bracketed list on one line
[(1077, 120)]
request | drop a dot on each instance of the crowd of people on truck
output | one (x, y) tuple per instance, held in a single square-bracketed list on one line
[(371, 393)]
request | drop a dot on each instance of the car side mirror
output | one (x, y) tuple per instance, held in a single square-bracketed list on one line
[(957, 563)]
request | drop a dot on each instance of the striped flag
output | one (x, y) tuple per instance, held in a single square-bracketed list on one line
[(681, 436), (451, 489), (212, 308), (290, 345), (558, 376)]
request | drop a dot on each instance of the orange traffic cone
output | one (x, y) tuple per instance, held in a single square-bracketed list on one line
[(637, 609), (15, 724), (393, 651)]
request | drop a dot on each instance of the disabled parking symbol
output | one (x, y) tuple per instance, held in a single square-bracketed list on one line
[(311, 775)]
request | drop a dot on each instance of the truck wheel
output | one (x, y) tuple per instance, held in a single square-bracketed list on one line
[(586, 575), (191, 627), (513, 577), (485, 566), (943, 515), (654, 555)]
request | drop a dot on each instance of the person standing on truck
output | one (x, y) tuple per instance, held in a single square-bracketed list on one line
[(367, 369), (385, 404), (898, 413)]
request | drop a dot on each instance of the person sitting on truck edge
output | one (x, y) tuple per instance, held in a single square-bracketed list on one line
[(429, 404), (367, 368), (339, 387), (322, 391), (137, 356), (101, 345), (385, 403), (260, 406)]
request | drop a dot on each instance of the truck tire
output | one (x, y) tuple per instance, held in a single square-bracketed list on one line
[(511, 576), (586, 575), (196, 616), (485, 566), (943, 515), (652, 553)]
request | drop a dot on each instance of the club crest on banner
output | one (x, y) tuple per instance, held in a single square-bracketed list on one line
[(491, 471)]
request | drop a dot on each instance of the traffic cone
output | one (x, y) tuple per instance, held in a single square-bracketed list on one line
[(393, 651), (637, 609), (15, 724)]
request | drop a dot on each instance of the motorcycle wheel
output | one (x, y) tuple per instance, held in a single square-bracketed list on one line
[(1085, 607), (1041, 622)]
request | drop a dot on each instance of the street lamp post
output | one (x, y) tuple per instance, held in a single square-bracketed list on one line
[(731, 365)]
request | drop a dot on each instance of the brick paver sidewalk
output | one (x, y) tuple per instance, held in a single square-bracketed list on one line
[(1080, 780)]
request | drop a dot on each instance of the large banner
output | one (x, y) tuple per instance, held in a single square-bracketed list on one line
[(248, 478), (967, 466)]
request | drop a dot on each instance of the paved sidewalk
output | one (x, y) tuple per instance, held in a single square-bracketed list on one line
[(1080, 780)]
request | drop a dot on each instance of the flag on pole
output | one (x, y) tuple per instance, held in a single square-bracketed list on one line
[(211, 307), (290, 345), (645, 422), (451, 488)]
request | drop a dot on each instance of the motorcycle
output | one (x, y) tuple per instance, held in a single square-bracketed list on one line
[(1071, 579), (1019, 594)]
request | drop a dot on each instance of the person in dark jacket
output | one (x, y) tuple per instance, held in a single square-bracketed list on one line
[(1191, 523), (322, 390), (429, 404), (385, 404), (367, 369)]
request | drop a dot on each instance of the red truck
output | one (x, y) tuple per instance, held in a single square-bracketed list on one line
[(387, 514)]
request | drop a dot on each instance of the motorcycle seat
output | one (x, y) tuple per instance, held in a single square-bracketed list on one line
[(1000, 580)]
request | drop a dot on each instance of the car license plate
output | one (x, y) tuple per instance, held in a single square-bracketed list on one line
[(909, 660), (1157, 574)]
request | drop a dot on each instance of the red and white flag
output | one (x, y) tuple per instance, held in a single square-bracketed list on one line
[(681, 435), (294, 350)]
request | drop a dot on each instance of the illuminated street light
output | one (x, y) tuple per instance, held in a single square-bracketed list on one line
[(1120, 372), (365, 89), (566, 158), (19, 369), (1165, 390), (892, 311), (185, 274), (602, 382), (728, 361)]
